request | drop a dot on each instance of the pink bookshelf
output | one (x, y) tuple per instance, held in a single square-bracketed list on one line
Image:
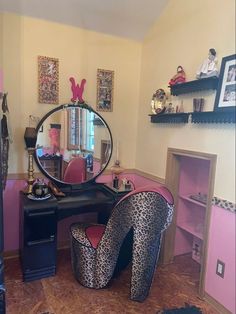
[(193, 182)]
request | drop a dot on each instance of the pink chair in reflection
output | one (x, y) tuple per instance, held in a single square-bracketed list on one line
[(75, 171)]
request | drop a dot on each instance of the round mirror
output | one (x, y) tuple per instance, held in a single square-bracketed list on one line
[(74, 144)]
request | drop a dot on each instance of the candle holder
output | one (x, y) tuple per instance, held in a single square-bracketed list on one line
[(30, 137), (116, 170)]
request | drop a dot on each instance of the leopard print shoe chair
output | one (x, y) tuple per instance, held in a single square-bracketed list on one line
[(95, 248)]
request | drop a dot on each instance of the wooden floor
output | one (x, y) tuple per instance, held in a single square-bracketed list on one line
[(173, 285)]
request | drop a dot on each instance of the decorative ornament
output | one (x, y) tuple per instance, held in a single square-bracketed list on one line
[(179, 77), (48, 80), (77, 90), (209, 66), (158, 101)]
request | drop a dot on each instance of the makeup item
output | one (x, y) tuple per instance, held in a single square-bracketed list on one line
[(128, 185), (116, 183), (40, 189)]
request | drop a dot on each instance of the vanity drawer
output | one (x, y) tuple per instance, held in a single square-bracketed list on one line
[(40, 227)]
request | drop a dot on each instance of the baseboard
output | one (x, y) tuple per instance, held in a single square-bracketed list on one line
[(147, 175), (11, 254), (62, 245), (219, 307)]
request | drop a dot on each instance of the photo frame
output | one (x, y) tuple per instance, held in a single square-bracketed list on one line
[(105, 86), (48, 80), (226, 92)]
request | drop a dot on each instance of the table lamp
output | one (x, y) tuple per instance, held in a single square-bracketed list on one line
[(30, 137)]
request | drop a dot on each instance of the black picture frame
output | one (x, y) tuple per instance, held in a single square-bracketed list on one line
[(226, 91)]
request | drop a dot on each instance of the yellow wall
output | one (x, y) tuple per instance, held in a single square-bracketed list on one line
[(182, 36), (12, 69), (80, 53)]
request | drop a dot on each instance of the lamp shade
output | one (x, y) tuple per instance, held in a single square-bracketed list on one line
[(30, 137), (116, 169)]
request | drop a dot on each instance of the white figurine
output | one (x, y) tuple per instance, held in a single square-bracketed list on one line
[(209, 66)]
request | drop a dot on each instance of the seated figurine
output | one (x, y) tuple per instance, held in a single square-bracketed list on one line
[(178, 78), (209, 66)]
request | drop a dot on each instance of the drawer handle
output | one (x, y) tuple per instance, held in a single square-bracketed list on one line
[(36, 242), (51, 212)]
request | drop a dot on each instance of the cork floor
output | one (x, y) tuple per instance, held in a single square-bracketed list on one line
[(173, 285)]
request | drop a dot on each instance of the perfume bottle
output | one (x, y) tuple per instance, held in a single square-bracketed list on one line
[(116, 182)]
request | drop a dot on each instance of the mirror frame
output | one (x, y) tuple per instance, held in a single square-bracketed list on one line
[(59, 183)]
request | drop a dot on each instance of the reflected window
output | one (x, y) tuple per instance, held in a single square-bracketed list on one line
[(80, 130), (90, 131)]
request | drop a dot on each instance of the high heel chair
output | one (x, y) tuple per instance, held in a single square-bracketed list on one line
[(95, 248)]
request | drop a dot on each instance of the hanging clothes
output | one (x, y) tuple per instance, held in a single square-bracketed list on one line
[(5, 138)]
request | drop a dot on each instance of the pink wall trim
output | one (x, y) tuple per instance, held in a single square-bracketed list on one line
[(222, 246)]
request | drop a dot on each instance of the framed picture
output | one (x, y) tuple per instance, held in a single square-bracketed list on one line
[(226, 92), (105, 86), (48, 80)]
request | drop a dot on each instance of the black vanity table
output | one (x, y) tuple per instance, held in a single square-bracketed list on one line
[(39, 218)]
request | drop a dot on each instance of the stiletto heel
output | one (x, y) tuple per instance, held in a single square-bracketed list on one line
[(145, 257), (95, 248)]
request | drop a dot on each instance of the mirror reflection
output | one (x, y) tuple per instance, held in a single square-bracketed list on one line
[(73, 144)]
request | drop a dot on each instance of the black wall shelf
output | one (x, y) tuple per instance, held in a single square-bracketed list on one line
[(227, 116), (222, 116), (194, 86), (181, 117)]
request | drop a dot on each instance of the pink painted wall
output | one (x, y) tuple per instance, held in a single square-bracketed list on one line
[(222, 246), (11, 211), (194, 175), (11, 214), (64, 225)]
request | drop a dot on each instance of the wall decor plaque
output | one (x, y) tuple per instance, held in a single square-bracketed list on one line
[(105, 85), (48, 80)]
